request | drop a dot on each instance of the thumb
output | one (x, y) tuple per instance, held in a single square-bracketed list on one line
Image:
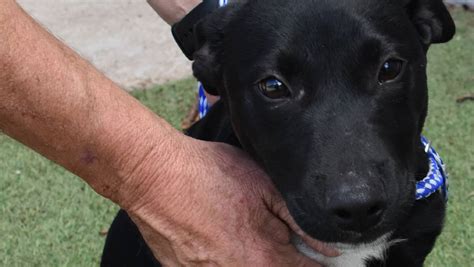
[(295, 258), (280, 208), (275, 203)]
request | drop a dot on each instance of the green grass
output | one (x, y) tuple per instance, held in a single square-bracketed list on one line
[(451, 127), (51, 218)]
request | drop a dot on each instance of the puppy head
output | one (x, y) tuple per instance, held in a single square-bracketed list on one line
[(330, 97)]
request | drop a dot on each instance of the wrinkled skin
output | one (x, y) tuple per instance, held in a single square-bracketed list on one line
[(341, 138)]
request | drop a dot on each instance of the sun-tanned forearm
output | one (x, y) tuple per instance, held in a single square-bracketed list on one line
[(44, 85), (195, 203)]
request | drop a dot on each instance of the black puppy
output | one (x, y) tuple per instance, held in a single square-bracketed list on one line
[(330, 97)]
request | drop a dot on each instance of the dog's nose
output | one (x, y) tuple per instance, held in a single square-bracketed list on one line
[(357, 212)]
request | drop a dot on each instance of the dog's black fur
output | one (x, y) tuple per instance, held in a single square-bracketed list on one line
[(342, 143)]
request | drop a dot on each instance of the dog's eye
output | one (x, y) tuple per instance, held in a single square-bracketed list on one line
[(390, 70), (273, 88)]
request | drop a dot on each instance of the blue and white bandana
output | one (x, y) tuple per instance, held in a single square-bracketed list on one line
[(222, 3), (203, 104), (437, 178)]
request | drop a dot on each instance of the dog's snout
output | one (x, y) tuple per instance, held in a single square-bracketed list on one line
[(357, 211)]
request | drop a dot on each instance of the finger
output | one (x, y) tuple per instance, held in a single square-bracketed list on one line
[(277, 205), (276, 230), (321, 247), (295, 258)]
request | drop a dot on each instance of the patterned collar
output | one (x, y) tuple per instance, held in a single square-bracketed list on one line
[(437, 178)]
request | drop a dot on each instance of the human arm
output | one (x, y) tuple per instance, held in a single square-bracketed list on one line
[(173, 11), (190, 207)]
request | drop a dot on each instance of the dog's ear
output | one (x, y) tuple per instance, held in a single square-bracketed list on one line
[(431, 19), (209, 35)]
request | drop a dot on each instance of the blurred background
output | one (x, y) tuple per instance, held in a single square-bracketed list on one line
[(124, 38), (51, 218)]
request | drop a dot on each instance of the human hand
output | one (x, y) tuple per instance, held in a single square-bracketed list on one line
[(173, 11), (194, 202), (216, 207)]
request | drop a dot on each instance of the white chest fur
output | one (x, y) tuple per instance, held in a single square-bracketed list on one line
[(351, 255)]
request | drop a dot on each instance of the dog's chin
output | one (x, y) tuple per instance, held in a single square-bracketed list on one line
[(318, 226), (354, 255), (335, 235), (355, 248)]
